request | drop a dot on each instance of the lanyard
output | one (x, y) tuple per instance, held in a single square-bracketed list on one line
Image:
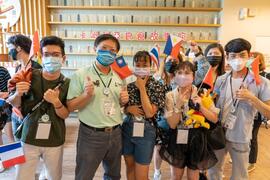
[(108, 85), (235, 100)]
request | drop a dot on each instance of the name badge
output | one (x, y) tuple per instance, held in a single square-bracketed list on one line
[(182, 136), (138, 129), (43, 130), (108, 107), (230, 121)]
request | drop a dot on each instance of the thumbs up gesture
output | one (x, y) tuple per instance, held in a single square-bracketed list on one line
[(88, 86), (52, 95), (124, 95)]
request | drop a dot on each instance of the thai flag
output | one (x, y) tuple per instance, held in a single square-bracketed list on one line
[(154, 53), (173, 45), (12, 154), (121, 68)]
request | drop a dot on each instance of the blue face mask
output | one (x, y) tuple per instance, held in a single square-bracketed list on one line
[(13, 53), (168, 66), (105, 57), (52, 64)]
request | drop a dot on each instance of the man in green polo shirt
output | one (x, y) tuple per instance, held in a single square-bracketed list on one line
[(98, 93)]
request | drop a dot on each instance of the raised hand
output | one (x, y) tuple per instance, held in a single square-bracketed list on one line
[(22, 87), (88, 86), (124, 95), (52, 96), (141, 82)]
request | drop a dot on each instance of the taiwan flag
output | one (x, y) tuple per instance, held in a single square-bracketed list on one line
[(121, 67), (173, 45)]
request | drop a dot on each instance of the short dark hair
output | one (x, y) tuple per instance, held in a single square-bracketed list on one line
[(142, 54), (185, 65), (221, 66), (20, 40), (104, 37), (237, 45), (52, 40)]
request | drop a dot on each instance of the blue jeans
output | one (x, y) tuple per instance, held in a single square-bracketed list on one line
[(16, 122)]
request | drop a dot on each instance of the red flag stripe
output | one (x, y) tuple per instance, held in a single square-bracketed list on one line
[(14, 161), (208, 79), (256, 70)]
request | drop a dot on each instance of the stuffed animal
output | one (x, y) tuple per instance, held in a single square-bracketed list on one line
[(195, 117)]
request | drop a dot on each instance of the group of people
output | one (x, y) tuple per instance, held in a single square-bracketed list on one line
[(150, 116)]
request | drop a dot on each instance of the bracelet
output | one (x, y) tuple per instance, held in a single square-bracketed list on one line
[(59, 107)]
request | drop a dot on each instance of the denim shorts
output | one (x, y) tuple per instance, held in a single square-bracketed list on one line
[(141, 148)]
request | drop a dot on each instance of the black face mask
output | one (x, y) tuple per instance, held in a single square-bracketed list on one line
[(214, 60), (13, 53)]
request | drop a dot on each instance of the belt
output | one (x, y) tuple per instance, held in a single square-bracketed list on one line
[(105, 129)]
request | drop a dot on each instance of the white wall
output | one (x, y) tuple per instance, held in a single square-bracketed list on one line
[(249, 28)]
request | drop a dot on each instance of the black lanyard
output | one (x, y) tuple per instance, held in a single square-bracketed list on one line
[(102, 79), (235, 100)]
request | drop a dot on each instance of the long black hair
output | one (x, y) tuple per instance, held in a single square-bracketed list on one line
[(221, 66)]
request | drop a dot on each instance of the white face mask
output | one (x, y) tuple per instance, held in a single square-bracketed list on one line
[(142, 72), (237, 64)]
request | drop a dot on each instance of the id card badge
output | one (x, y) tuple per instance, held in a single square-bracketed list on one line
[(43, 130), (182, 136), (108, 107), (138, 129), (44, 127), (230, 121)]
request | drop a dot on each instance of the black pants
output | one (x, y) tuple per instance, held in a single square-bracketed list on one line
[(254, 142)]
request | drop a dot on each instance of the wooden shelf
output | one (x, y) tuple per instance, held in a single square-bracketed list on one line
[(134, 24), (135, 40), (134, 8)]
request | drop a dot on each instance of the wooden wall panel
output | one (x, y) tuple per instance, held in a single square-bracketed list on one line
[(34, 16)]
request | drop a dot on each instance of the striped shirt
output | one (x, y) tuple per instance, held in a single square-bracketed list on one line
[(4, 77)]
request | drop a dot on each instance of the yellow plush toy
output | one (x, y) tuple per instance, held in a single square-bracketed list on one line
[(195, 117)]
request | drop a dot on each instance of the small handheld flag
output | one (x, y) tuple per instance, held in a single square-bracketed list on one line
[(121, 67), (154, 53), (253, 65), (35, 47), (12, 154), (208, 79), (173, 45)]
